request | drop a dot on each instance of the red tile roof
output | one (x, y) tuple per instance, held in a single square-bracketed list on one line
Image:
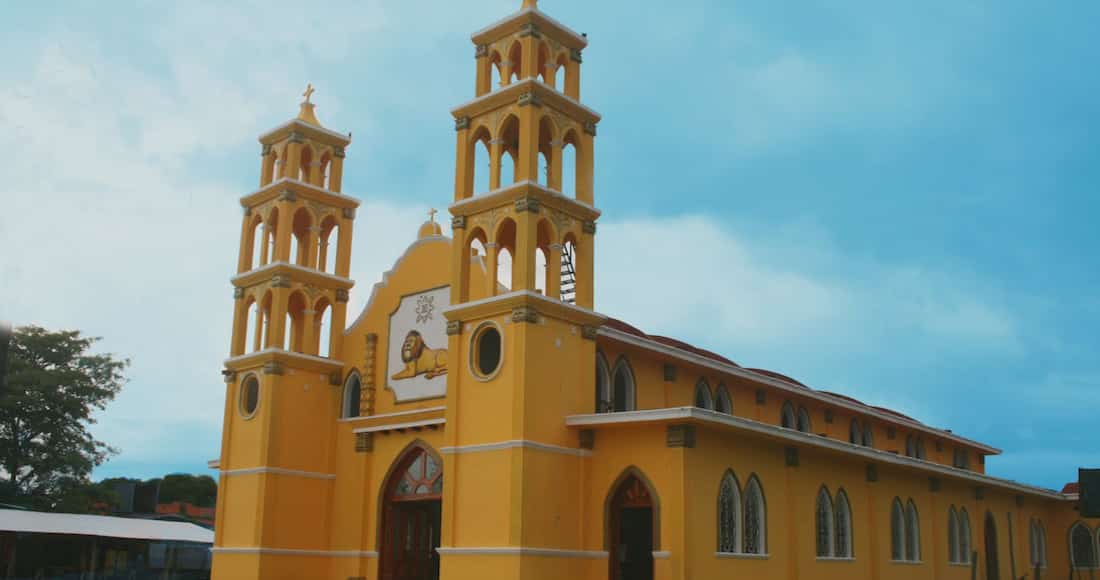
[(1072, 487), (621, 326)]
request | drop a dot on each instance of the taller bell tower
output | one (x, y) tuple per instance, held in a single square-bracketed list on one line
[(524, 345), (290, 300)]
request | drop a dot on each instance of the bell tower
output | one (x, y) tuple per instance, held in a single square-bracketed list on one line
[(523, 345), (290, 300)]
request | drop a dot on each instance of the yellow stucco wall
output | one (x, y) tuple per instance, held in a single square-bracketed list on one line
[(529, 469)]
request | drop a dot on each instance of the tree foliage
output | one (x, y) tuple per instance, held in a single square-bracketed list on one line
[(54, 384), (200, 490)]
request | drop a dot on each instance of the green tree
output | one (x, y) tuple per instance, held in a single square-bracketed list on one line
[(53, 386), (200, 490)]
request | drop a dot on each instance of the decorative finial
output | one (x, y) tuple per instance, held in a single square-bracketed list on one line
[(530, 4), (431, 214), (309, 92)]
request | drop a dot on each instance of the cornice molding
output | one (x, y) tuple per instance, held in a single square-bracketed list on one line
[(285, 272), (283, 358), (528, 300), (715, 419), (518, 92), (673, 352), (299, 189), (526, 196)]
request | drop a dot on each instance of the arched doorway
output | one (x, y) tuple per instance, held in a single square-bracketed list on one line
[(411, 516), (992, 569), (632, 528)]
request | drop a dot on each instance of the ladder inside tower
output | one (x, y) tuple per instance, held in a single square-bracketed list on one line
[(568, 276)]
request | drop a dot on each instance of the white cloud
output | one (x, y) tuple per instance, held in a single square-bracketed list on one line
[(691, 276)]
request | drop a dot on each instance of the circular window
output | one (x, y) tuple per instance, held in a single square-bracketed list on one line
[(486, 351), (250, 396)]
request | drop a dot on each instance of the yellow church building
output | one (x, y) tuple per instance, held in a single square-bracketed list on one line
[(480, 420)]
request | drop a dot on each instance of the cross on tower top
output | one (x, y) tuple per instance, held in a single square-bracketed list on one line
[(309, 92), (431, 214)]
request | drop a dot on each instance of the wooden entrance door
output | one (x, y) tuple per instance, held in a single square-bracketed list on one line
[(631, 529), (411, 518)]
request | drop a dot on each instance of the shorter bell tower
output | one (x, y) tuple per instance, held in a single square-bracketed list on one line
[(290, 304)]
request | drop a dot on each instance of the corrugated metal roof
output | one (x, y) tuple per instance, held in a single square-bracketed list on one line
[(103, 526)]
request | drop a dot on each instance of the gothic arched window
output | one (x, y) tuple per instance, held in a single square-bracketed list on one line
[(702, 395), (912, 533), (603, 385), (1037, 537), (1082, 547), (729, 514), (897, 531), (352, 391), (623, 393), (804, 423), (722, 401), (842, 545), (786, 416), (966, 547), (756, 518), (868, 435), (855, 433), (825, 524), (953, 536)]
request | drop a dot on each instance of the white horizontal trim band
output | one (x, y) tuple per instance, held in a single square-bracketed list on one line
[(396, 426), (335, 364), (278, 471), (295, 267), (662, 555), (395, 414), (520, 551), (293, 552), (681, 354), (742, 555), (516, 443), (708, 416)]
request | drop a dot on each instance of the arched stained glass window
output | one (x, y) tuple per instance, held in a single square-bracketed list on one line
[(352, 391), (423, 478), (623, 395), (756, 518), (966, 547), (855, 433), (722, 401), (729, 514), (912, 533), (825, 525), (804, 423), (702, 395), (603, 385), (786, 416), (842, 544), (1082, 547), (897, 531), (953, 536)]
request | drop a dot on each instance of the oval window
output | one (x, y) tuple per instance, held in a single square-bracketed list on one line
[(250, 396), (487, 351)]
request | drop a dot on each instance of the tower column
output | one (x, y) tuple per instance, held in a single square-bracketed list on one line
[(528, 163), (530, 65), (336, 172), (293, 162), (240, 326), (553, 271), (464, 163), (523, 263), (492, 258), (573, 80), (265, 239), (267, 167), (585, 157), (276, 328), (313, 249), (336, 329), (309, 330), (585, 270), (244, 258), (343, 248), (283, 232), (496, 152), (553, 181)]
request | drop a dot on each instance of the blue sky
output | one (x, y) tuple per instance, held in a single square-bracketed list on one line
[(896, 201)]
